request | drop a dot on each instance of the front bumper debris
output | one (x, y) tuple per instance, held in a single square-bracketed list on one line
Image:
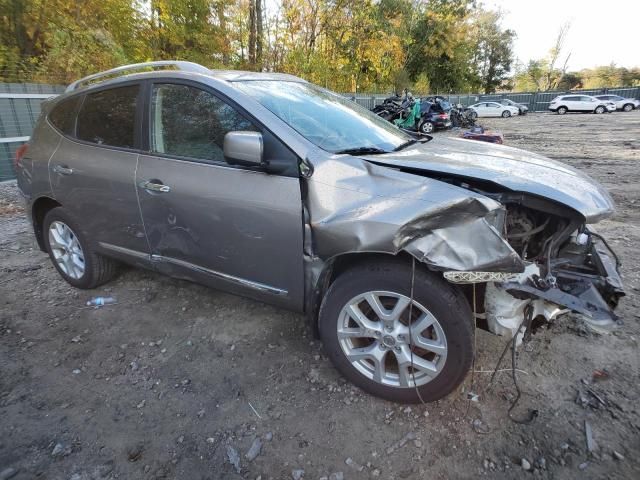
[(593, 294)]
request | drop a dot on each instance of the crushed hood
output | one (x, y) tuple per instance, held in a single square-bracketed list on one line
[(512, 168)]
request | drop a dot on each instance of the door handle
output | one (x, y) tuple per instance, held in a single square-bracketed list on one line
[(62, 170), (155, 187)]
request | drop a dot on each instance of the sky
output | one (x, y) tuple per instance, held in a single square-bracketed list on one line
[(600, 32)]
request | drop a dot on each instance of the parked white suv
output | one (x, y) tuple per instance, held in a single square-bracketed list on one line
[(580, 103), (621, 103)]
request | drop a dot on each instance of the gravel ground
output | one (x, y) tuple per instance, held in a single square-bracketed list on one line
[(180, 381)]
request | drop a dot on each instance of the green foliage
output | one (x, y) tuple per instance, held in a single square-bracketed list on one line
[(347, 45)]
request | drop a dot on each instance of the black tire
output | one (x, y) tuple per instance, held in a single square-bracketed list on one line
[(506, 114), (97, 268), (627, 107), (600, 109), (442, 299), (426, 127), (562, 110)]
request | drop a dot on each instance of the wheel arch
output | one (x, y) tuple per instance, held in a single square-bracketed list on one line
[(339, 264), (39, 210)]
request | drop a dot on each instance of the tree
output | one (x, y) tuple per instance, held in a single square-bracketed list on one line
[(493, 53)]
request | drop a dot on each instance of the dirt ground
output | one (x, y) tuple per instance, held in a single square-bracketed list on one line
[(176, 379)]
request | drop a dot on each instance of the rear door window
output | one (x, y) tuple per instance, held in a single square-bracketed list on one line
[(63, 115), (189, 122), (108, 117)]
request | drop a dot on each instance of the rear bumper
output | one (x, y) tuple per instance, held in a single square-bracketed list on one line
[(442, 123)]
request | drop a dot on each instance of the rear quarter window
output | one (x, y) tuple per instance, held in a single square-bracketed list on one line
[(63, 115), (108, 117)]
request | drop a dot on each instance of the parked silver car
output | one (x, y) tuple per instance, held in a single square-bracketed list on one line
[(267, 186), (621, 103)]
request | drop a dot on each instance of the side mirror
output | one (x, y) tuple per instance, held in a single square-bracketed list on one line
[(243, 148)]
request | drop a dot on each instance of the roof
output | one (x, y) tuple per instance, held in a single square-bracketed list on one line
[(151, 69)]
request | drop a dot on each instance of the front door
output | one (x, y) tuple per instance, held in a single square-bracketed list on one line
[(234, 228)]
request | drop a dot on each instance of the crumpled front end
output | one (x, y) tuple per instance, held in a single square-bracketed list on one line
[(527, 250), (355, 206), (583, 278)]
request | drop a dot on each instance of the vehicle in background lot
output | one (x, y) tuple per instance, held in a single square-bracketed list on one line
[(267, 186), (462, 117), (440, 101), (621, 103), (522, 109), (418, 115), (580, 103), (494, 109)]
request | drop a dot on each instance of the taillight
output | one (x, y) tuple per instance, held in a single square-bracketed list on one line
[(443, 115), (20, 152)]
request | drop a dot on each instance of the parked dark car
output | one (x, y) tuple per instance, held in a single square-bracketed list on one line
[(267, 186), (433, 117)]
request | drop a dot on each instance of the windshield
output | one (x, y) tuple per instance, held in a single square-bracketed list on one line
[(326, 119)]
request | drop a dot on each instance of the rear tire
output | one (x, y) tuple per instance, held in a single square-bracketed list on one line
[(386, 280), (426, 127), (88, 269), (627, 107), (599, 109), (562, 110)]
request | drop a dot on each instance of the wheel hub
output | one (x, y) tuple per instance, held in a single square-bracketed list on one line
[(391, 342)]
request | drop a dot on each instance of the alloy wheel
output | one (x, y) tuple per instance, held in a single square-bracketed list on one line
[(426, 127), (66, 250), (382, 342)]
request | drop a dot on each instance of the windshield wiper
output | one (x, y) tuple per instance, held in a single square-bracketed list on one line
[(410, 142), (362, 151)]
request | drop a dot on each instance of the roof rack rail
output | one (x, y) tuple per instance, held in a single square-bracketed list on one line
[(179, 64)]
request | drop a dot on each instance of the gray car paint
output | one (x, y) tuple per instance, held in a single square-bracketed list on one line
[(234, 229), (513, 168), (101, 193), (356, 206), (351, 206)]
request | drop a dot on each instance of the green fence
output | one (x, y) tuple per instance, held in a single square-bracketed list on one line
[(20, 108)]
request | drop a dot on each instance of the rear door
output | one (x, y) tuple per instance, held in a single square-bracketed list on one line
[(234, 228), (92, 172), (588, 104)]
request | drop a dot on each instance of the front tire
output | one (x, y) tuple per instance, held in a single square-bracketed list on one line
[(506, 114), (367, 333), (71, 253), (627, 107), (599, 109), (562, 110)]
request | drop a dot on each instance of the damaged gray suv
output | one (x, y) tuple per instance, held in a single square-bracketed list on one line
[(267, 186)]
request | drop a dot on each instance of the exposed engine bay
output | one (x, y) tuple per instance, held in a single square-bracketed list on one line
[(568, 267)]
